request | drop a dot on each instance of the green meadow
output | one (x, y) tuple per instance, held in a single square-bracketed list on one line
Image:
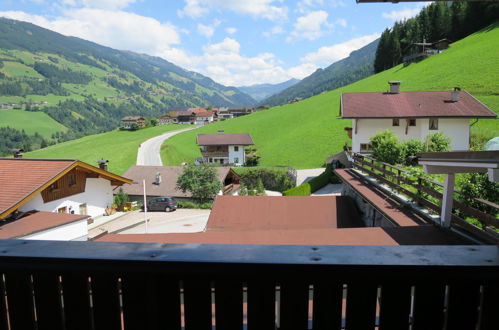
[(304, 134), (31, 122), (119, 147)]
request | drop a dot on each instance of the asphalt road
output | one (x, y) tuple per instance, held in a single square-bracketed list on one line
[(149, 151)]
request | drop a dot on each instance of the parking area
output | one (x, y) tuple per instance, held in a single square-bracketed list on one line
[(179, 221)]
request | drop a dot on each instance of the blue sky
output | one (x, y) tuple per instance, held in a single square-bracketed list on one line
[(235, 42)]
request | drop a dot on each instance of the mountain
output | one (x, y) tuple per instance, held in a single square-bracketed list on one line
[(262, 91), (88, 88), (305, 133), (355, 67)]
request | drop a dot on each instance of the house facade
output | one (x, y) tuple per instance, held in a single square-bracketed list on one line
[(411, 115), (55, 185), (203, 118), (224, 149), (132, 122)]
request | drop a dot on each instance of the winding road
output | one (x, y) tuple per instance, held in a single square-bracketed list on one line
[(149, 151)]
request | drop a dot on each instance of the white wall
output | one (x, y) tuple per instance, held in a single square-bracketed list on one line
[(457, 129), (74, 231), (98, 195), (236, 154)]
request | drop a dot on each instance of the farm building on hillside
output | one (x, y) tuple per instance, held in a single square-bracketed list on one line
[(162, 181), (30, 188), (132, 122), (223, 148), (411, 115)]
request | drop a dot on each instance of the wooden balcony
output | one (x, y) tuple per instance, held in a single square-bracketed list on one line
[(212, 154), (90, 285)]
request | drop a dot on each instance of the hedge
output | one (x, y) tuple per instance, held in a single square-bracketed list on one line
[(307, 188)]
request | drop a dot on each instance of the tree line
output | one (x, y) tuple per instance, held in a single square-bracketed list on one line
[(435, 22)]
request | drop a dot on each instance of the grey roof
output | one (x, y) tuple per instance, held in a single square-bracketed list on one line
[(224, 139), (169, 176)]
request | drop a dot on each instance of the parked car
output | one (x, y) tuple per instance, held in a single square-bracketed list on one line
[(166, 204)]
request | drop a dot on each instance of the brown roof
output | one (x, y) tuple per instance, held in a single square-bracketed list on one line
[(224, 139), (21, 178), (169, 176), (133, 118), (184, 113), (419, 235), (37, 222), (412, 105), (289, 212)]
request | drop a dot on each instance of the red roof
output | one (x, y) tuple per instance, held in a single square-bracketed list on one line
[(288, 212), (36, 222), (418, 235), (20, 177), (412, 105), (223, 139), (204, 114)]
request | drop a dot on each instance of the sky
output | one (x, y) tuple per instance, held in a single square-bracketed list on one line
[(234, 42)]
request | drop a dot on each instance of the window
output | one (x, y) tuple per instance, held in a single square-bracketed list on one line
[(395, 122), (365, 146), (54, 186), (83, 208), (433, 124), (236, 148), (412, 122), (62, 210), (236, 160), (72, 179)]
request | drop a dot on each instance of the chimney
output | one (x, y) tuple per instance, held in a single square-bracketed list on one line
[(158, 179), (17, 153), (394, 87), (221, 131), (454, 97), (103, 164)]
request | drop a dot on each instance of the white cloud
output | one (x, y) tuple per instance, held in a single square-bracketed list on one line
[(224, 63), (231, 30), (398, 15), (329, 54), (310, 26), (255, 8), (117, 29), (99, 4), (304, 5), (209, 29), (275, 30)]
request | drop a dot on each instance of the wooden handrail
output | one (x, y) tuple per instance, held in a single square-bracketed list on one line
[(423, 185)]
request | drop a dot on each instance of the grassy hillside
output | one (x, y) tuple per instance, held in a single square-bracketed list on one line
[(31, 122), (303, 134), (119, 147)]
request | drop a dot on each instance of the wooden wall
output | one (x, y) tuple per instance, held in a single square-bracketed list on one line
[(64, 189)]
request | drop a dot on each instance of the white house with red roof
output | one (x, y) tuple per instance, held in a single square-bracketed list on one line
[(412, 115), (223, 148), (41, 195), (203, 118)]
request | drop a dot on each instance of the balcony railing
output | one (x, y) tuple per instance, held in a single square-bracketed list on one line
[(91, 285), (210, 154)]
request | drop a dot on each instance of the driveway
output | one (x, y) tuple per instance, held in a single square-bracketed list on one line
[(149, 151), (307, 175)]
